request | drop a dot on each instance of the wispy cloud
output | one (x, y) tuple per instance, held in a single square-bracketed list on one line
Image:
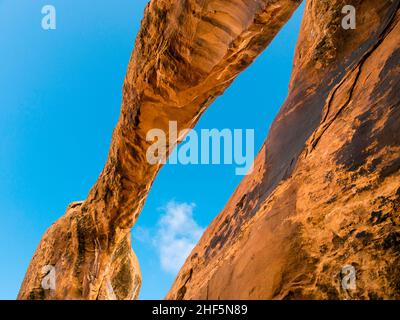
[(176, 234)]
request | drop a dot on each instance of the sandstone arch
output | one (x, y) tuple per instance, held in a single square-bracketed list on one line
[(325, 191)]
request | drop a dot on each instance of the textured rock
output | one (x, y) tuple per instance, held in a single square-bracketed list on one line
[(67, 246), (186, 54), (325, 192)]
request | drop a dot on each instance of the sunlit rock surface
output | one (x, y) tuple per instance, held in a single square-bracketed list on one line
[(325, 192), (186, 54)]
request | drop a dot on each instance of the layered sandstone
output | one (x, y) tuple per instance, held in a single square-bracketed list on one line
[(325, 193), (186, 54)]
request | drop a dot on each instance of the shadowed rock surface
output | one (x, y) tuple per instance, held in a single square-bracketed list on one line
[(186, 54), (325, 192)]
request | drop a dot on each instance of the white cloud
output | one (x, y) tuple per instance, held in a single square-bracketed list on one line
[(176, 235)]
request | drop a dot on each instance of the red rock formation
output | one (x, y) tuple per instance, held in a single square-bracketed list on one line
[(326, 190), (186, 54)]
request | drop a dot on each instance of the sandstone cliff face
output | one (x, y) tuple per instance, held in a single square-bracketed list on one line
[(186, 54), (325, 192)]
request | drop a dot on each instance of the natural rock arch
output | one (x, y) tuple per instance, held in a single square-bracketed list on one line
[(186, 54)]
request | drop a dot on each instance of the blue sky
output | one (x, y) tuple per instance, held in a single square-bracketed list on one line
[(60, 96)]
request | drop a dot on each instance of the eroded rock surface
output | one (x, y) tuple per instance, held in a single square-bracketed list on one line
[(186, 54), (325, 192)]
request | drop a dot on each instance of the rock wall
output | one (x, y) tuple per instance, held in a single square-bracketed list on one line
[(186, 54), (325, 194)]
